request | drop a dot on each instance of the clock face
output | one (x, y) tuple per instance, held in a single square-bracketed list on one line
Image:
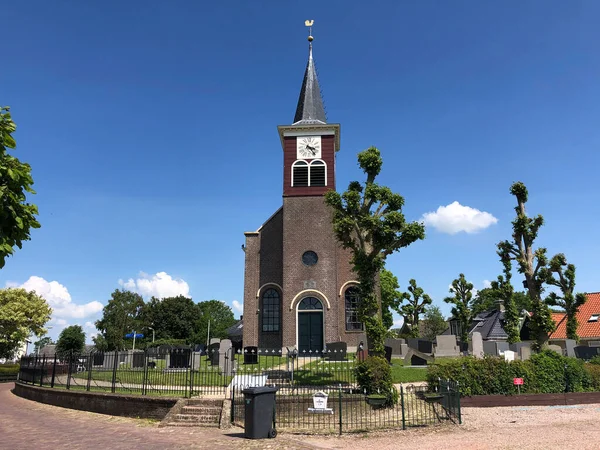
[(308, 147)]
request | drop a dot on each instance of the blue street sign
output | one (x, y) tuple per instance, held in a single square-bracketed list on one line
[(137, 336)]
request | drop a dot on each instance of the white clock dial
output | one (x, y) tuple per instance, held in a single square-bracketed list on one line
[(308, 147)]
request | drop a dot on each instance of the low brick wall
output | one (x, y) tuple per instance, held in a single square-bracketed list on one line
[(571, 398), (143, 407)]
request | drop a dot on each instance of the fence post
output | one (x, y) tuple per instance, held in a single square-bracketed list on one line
[(70, 370), (232, 404), (53, 372), (114, 374), (145, 373), (90, 359), (458, 401), (340, 405), (402, 406), (191, 365), (35, 361), (42, 371)]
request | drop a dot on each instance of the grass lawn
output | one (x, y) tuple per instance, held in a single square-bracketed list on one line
[(401, 374)]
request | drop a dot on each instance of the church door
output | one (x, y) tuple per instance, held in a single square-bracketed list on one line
[(310, 326)]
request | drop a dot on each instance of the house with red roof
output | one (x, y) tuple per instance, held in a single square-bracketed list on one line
[(588, 319)]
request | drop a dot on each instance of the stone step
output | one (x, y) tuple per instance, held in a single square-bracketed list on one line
[(201, 410), (193, 424), (197, 418), (204, 402)]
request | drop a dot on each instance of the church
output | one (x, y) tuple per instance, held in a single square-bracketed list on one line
[(299, 287)]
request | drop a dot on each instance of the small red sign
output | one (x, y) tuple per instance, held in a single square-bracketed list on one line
[(518, 381)]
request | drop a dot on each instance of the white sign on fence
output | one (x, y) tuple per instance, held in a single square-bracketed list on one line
[(320, 404)]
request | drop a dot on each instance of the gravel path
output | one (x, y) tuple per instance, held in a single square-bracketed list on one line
[(29, 425)]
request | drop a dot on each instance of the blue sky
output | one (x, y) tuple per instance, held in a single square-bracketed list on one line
[(151, 130)]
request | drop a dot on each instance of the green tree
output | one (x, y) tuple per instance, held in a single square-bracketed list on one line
[(171, 318), (368, 220), (389, 296), (22, 314), (486, 299), (416, 306), (463, 293), (120, 316), (71, 340), (41, 343), (433, 323), (17, 217), (529, 263), (220, 316), (562, 275), (504, 289)]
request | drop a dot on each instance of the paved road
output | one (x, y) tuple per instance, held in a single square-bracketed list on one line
[(26, 425)]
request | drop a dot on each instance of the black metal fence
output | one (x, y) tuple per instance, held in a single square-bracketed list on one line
[(226, 373)]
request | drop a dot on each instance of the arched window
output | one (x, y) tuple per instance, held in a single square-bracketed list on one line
[(313, 174), (270, 309), (318, 173), (310, 303), (300, 173), (352, 299)]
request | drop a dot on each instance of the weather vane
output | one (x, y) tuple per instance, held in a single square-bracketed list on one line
[(309, 24)]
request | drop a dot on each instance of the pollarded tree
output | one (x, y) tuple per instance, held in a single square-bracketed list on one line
[(390, 296), (368, 220), (416, 306), (17, 217), (71, 340), (463, 294), (562, 275), (529, 262), (504, 290), (22, 314)]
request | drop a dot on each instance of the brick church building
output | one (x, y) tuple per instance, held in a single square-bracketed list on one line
[(299, 288)]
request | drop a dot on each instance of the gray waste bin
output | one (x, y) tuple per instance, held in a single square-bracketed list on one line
[(259, 414)]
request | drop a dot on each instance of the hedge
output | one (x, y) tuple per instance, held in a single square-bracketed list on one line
[(545, 372)]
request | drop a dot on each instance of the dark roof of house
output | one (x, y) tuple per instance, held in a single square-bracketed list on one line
[(310, 108), (490, 324), (236, 329)]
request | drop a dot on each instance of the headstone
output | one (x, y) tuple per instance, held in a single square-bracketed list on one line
[(388, 353), (137, 360), (586, 353), (422, 345), (213, 353), (396, 345), (417, 358), (214, 341), (502, 347), (179, 358), (556, 348), (226, 360), (524, 353), (250, 355), (336, 351), (509, 355), (570, 345), (476, 345), (490, 348), (403, 350), (446, 346)]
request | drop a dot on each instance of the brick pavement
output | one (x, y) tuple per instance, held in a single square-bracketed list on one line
[(25, 424)]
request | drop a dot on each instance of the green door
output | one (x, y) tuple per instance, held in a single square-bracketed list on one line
[(310, 332)]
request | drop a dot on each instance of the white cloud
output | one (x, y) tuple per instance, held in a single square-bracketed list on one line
[(238, 307), (59, 299), (487, 284), (455, 218), (398, 323), (160, 285)]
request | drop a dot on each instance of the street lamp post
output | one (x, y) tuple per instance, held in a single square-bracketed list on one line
[(150, 328)]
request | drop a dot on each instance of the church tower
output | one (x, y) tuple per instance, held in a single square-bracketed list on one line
[(299, 289)]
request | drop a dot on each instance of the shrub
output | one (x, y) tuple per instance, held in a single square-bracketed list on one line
[(595, 360), (593, 371), (545, 372), (374, 376)]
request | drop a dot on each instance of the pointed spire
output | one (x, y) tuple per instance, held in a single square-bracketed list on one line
[(310, 104)]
